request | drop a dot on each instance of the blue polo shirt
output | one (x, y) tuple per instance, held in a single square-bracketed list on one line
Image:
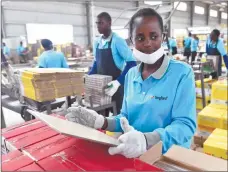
[(194, 45), (172, 43), (220, 45), (6, 50), (52, 59), (120, 50), (165, 103), (187, 42), (20, 50)]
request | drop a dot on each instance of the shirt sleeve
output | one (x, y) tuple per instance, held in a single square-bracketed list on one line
[(221, 47), (183, 125), (114, 122), (64, 62), (123, 50)]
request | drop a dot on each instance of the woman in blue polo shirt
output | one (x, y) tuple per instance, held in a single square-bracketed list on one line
[(159, 96), (215, 46)]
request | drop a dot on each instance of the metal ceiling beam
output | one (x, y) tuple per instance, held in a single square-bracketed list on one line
[(88, 22), (207, 14), (192, 5)]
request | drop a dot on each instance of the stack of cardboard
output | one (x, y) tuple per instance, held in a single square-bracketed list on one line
[(94, 88), (216, 144), (48, 84)]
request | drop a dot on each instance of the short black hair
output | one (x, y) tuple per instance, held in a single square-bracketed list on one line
[(105, 15), (46, 43), (216, 32), (189, 34), (145, 12)]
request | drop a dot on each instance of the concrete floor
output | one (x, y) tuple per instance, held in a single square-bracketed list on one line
[(11, 117)]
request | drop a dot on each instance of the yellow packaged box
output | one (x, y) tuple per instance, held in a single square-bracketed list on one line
[(207, 87), (210, 117), (199, 102), (216, 144), (219, 92), (224, 121)]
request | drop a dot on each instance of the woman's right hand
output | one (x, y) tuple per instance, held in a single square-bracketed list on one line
[(84, 116)]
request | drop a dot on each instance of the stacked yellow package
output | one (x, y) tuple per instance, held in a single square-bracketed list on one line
[(211, 118), (219, 94), (48, 84), (216, 144), (207, 88)]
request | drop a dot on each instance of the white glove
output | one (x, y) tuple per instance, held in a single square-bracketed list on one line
[(132, 142), (113, 87), (84, 116)]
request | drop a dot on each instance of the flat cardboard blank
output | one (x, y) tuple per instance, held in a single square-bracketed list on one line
[(75, 130)]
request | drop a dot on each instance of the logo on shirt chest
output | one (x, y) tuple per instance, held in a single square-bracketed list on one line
[(159, 97)]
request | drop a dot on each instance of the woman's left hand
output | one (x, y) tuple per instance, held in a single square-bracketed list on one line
[(132, 142)]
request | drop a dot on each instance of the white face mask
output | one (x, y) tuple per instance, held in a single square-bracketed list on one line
[(148, 58)]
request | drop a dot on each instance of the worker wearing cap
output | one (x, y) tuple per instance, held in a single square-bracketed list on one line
[(215, 47), (50, 58), (113, 57)]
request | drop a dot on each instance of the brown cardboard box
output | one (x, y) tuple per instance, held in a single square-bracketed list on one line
[(61, 83), (64, 91), (184, 159)]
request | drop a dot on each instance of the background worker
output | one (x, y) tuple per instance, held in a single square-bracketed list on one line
[(153, 107), (187, 45), (50, 58), (6, 50), (21, 53), (113, 57), (215, 46), (173, 45), (194, 47)]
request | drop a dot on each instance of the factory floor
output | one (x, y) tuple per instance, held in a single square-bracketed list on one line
[(11, 117)]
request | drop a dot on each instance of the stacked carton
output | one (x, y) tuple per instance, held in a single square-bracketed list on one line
[(207, 87), (48, 84), (216, 144), (94, 88), (213, 116)]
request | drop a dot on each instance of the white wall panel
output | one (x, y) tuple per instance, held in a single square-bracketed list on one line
[(18, 14), (200, 20)]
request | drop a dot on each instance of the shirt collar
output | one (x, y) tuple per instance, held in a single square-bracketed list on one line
[(158, 74), (107, 39)]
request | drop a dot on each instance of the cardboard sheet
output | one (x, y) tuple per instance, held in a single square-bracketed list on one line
[(75, 130)]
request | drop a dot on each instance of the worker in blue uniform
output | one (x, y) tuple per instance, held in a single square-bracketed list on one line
[(50, 58), (6, 50), (159, 96), (173, 45), (194, 47), (187, 45), (215, 46), (113, 57), (21, 53)]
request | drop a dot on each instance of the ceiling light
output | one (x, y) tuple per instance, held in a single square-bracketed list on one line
[(224, 3), (221, 9)]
